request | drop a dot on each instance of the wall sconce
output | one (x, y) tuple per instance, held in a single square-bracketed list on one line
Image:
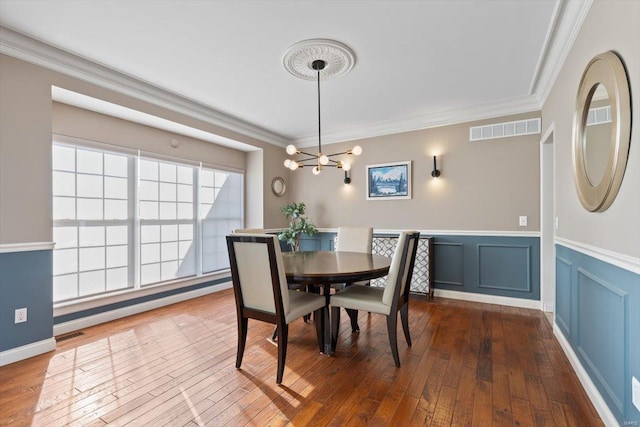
[(347, 177), (435, 173)]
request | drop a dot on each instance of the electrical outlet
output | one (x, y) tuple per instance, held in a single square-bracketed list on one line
[(523, 221), (21, 315), (635, 392)]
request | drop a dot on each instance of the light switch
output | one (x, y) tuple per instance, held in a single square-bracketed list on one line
[(557, 223), (523, 221)]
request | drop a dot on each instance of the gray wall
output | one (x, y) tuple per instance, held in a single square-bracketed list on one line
[(484, 186), (27, 119), (610, 25), (597, 302), (92, 126), (25, 146)]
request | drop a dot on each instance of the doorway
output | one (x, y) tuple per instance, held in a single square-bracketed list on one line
[(548, 223)]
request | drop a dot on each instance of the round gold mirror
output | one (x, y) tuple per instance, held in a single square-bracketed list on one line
[(602, 131), (278, 186)]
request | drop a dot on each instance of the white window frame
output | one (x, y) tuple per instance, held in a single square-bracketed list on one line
[(134, 222)]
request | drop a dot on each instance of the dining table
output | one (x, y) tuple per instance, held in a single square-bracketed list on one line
[(321, 269)]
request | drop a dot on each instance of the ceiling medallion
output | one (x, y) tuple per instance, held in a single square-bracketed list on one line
[(298, 59), (310, 59)]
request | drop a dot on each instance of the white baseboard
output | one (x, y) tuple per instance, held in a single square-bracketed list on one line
[(107, 316), (489, 299), (27, 351), (594, 395)]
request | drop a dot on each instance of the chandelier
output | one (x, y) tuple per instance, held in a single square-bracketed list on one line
[(307, 60)]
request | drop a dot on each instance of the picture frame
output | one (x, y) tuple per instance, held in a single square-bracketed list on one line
[(389, 181)]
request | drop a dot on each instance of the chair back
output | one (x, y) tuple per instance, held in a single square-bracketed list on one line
[(401, 269), (257, 272), (248, 231), (354, 239)]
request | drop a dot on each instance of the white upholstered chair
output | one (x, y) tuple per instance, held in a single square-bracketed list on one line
[(389, 300), (261, 292), (353, 239), (249, 231)]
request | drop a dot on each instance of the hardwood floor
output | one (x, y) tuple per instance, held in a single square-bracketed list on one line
[(470, 364)]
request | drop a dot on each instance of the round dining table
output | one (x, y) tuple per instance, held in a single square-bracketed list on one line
[(324, 268)]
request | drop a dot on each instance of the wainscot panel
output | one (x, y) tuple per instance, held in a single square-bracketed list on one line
[(491, 265), (563, 296), (602, 304), (26, 281)]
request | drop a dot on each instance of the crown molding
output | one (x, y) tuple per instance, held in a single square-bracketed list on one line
[(567, 20), (502, 108), (562, 33), (36, 52)]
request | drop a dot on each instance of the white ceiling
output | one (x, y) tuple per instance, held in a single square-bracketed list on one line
[(417, 62)]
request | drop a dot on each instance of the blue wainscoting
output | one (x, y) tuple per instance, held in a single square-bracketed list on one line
[(598, 312), (491, 265), (26, 281)]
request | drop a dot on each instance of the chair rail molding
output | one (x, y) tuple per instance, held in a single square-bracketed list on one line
[(625, 262), (26, 247)]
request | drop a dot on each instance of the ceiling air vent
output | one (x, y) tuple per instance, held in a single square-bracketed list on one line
[(504, 130)]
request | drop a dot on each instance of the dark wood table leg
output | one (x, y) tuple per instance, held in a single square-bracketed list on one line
[(328, 348)]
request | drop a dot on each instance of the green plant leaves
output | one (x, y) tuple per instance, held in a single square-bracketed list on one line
[(298, 224)]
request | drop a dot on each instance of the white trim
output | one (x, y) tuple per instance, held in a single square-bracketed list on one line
[(547, 257), (26, 351), (550, 131), (85, 102), (594, 395), (615, 258), (569, 24), (488, 233), (36, 52), (509, 107), (96, 319), (548, 40), (88, 303), (26, 247), (489, 299)]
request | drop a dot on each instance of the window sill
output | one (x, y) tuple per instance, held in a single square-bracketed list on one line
[(88, 303)]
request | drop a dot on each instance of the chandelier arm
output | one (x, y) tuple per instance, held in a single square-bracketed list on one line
[(307, 154), (337, 154), (306, 159)]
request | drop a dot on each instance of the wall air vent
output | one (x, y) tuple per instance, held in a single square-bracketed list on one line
[(505, 130)]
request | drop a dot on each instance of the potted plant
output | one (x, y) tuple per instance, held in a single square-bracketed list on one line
[(298, 224)]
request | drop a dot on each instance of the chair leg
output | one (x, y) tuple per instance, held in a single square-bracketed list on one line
[(318, 319), (335, 325), (353, 315), (243, 324), (313, 290), (274, 336), (283, 333), (392, 326), (404, 316)]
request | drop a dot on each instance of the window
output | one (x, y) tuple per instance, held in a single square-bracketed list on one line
[(126, 221)]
